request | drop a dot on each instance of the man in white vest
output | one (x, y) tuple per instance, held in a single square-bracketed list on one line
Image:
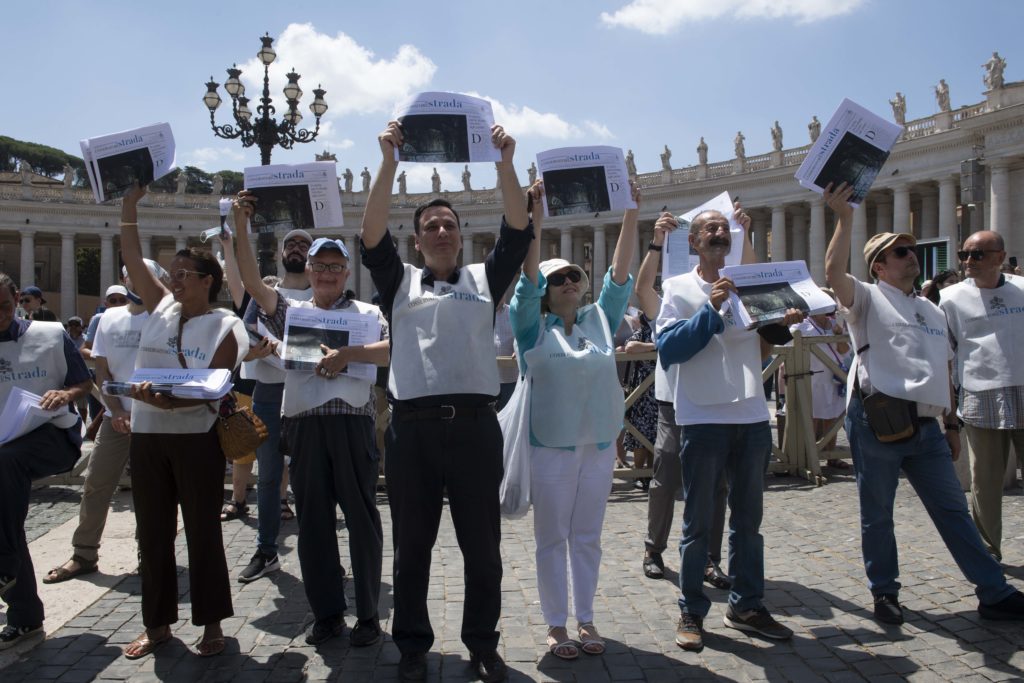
[(985, 313), (719, 402), (444, 434), (899, 388), (38, 357)]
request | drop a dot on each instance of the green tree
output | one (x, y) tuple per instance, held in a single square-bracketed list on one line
[(42, 159)]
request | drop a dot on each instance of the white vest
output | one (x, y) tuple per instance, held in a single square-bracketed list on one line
[(442, 339), (305, 390), (909, 353), (117, 339), (988, 328), (261, 369), (576, 398), (36, 363), (728, 369), (158, 348)]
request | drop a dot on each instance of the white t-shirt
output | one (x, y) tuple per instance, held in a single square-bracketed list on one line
[(117, 339)]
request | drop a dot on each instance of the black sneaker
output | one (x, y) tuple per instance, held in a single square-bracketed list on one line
[(325, 629), (654, 566), (488, 666), (888, 610), (6, 583), (413, 667), (690, 632), (259, 565), (1010, 608), (12, 635), (757, 621), (366, 632)]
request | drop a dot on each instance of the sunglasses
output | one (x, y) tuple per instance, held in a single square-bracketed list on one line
[(901, 251), (558, 279), (975, 254), (182, 274)]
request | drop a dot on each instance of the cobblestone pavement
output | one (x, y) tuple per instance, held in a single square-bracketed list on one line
[(815, 584)]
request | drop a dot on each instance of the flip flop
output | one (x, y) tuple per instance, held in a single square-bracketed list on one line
[(146, 645), (567, 649), (60, 573), (591, 644), (211, 647)]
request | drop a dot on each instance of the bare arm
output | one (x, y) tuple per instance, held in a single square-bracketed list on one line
[(231, 274), (378, 203), (626, 244), (143, 281), (838, 253), (649, 300), (741, 217), (511, 193), (531, 265), (264, 296)]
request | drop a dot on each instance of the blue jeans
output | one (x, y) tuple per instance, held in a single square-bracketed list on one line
[(741, 451), (927, 462), (271, 469)]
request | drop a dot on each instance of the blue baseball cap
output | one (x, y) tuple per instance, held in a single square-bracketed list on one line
[(322, 243), (38, 293)]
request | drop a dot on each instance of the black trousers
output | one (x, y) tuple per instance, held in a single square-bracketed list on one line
[(169, 470), (40, 453), (335, 462), (425, 459)]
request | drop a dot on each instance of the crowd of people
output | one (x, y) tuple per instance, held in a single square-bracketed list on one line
[(919, 371)]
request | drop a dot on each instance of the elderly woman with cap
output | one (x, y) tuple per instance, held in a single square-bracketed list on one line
[(576, 412), (329, 428)]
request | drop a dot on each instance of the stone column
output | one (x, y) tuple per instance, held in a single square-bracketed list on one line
[(758, 224), (816, 241), (600, 260), (145, 241), (68, 270), (999, 201), (947, 213), (901, 209), (106, 262), (467, 249), (639, 247), (478, 252), (799, 234), (578, 251), (352, 245), (403, 248), (180, 243), (858, 237), (778, 233), (883, 215), (27, 275), (929, 212), (565, 248)]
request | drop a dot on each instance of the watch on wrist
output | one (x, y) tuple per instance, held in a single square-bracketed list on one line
[(651, 246)]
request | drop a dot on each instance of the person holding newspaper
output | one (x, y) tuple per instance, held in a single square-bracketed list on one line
[(719, 402), (38, 357), (444, 433), (329, 428), (899, 389), (576, 410), (175, 454)]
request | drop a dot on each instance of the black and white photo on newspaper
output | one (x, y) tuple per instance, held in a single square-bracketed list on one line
[(445, 128), (765, 291), (307, 328), (295, 196), (580, 180), (117, 161)]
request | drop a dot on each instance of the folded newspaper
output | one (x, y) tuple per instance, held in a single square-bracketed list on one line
[(206, 384), (444, 128), (767, 290), (678, 257), (116, 162), (307, 328), (294, 196), (22, 414), (851, 149), (584, 180)]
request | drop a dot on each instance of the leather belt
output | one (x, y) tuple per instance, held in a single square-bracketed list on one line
[(404, 413)]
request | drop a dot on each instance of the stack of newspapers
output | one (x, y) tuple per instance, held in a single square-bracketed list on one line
[(765, 291), (22, 414), (115, 162), (205, 385)]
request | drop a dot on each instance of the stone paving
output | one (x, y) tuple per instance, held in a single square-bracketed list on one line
[(815, 584)]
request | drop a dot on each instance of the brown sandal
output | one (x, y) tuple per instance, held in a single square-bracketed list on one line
[(210, 647), (59, 574), (145, 645)]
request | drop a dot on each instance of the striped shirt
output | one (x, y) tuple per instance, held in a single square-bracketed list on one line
[(1001, 408)]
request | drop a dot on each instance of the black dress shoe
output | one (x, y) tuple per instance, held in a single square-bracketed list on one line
[(714, 575), (325, 629), (888, 610), (489, 666), (654, 566), (413, 667), (366, 632), (1010, 608)]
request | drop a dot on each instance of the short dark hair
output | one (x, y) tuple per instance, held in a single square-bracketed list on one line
[(6, 281), (206, 263), (429, 205)]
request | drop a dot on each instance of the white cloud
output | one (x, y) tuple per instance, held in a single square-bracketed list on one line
[(661, 17), (212, 158), (524, 121), (598, 130)]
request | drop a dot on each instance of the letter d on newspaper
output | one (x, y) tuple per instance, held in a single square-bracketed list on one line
[(305, 329), (679, 257), (446, 128), (116, 162), (584, 180), (767, 290), (851, 149), (294, 196)]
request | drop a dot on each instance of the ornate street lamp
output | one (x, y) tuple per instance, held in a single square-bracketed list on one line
[(265, 131)]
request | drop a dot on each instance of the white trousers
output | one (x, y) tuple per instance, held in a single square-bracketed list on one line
[(569, 492)]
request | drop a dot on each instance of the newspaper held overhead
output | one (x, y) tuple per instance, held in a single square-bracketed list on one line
[(446, 128), (852, 148), (294, 196), (584, 180), (203, 384), (678, 257), (22, 414), (305, 329), (767, 290), (116, 162)]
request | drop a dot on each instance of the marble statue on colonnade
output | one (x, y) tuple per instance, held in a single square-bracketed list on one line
[(435, 181), (666, 158), (69, 176), (942, 95), (365, 175), (702, 152), (994, 68), (777, 137), (899, 109), (630, 164), (465, 179), (532, 172), (814, 128), (218, 184), (740, 149), (182, 182), (348, 177), (401, 183)]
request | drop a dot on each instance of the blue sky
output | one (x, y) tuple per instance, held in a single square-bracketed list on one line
[(636, 74)]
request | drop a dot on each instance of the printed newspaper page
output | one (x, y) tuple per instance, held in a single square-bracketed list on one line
[(446, 128), (307, 328), (22, 414), (678, 258), (294, 196), (584, 180), (852, 148), (767, 290), (115, 162), (199, 383)]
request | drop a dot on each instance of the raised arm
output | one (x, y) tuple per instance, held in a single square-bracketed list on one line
[(144, 282), (378, 203), (535, 208), (626, 244), (838, 253), (264, 296), (741, 217), (515, 203), (231, 274), (650, 302)]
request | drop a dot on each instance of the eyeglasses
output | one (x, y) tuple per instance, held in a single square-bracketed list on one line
[(117, 300), (182, 274), (333, 267), (901, 251), (558, 279), (975, 254)]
